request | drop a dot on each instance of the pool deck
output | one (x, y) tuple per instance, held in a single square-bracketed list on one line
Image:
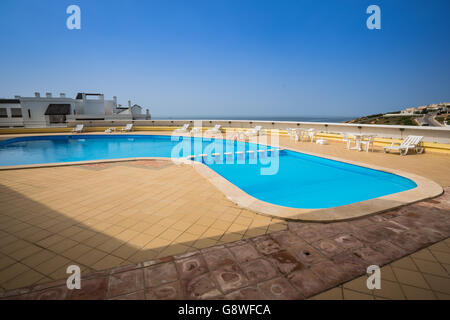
[(169, 241), (425, 188)]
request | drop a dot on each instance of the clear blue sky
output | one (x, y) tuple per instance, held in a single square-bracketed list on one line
[(231, 57)]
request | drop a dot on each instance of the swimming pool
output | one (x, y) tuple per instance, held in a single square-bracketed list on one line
[(285, 178)]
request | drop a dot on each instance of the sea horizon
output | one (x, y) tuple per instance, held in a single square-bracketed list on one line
[(334, 119)]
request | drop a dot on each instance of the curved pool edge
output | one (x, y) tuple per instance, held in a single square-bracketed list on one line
[(425, 189)]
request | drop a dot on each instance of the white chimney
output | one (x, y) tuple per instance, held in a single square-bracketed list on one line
[(48, 94), (37, 94), (62, 95), (129, 103)]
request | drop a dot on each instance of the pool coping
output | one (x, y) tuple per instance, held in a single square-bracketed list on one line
[(425, 189)]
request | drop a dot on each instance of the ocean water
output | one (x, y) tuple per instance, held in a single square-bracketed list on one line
[(260, 118)]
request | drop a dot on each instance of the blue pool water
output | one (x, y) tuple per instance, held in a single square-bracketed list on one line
[(285, 178)]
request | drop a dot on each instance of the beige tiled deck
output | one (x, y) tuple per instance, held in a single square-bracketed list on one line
[(104, 215), (424, 275)]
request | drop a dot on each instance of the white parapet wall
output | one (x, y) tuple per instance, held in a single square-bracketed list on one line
[(430, 134)]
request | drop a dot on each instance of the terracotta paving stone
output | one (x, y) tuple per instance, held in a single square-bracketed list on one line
[(394, 227), (249, 293), (329, 247), (421, 238), (170, 291), (306, 282), (350, 263), (433, 234), (219, 257), (347, 241), (405, 242), (58, 293), (160, 274), (259, 270), (329, 273), (307, 254), (125, 282), (285, 262), (230, 277), (369, 234), (309, 234), (201, 287), (369, 255), (287, 239), (191, 266), (388, 249), (265, 245), (91, 289), (244, 253), (139, 295), (278, 289)]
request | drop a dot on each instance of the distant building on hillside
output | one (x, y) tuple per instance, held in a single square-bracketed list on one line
[(440, 107), (52, 111)]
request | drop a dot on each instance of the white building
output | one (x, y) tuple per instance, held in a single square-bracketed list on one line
[(10, 113), (52, 111)]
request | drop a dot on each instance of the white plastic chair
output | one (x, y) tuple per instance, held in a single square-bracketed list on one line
[(291, 133), (79, 128), (196, 131), (215, 130), (183, 129), (128, 128), (254, 132), (368, 143), (309, 134), (298, 134), (346, 139)]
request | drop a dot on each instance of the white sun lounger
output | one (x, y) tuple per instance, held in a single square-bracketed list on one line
[(128, 128), (196, 130), (256, 131), (410, 142), (214, 130), (183, 129), (79, 128)]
